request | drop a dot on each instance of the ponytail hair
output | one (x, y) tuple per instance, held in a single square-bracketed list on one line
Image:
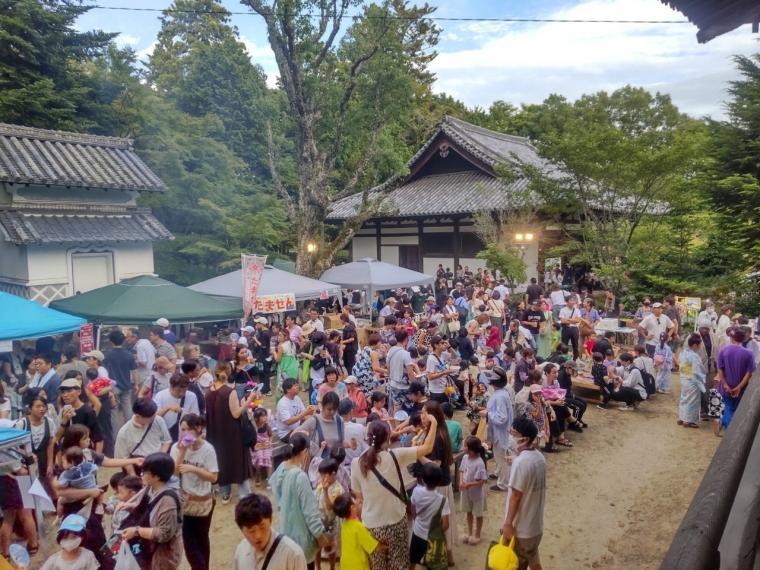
[(298, 442), (378, 433), (223, 372)]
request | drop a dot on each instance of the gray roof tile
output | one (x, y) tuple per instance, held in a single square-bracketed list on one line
[(39, 156), (37, 227)]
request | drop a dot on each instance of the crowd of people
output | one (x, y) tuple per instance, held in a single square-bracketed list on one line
[(365, 454)]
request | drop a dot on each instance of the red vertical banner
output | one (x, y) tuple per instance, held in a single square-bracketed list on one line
[(86, 338), (253, 269)]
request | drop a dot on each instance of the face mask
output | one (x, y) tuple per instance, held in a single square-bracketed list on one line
[(69, 544)]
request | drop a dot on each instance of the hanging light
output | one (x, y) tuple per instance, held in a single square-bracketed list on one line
[(311, 247)]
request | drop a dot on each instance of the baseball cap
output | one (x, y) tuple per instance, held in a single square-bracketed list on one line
[(431, 298), (242, 341), (162, 322), (535, 388), (73, 523), (261, 321), (655, 305), (94, 354), (248, 329), (71, 383), (351, 380)]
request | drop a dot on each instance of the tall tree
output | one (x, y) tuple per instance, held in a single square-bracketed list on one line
[(42, 82), (346, 91)]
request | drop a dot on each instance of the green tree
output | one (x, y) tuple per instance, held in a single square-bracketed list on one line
[(42, 82), (347, 91)]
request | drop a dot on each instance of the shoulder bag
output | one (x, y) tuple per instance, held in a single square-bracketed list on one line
[(399, 493)]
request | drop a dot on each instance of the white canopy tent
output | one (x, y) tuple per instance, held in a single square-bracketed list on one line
[(273, 282), (372, 275)]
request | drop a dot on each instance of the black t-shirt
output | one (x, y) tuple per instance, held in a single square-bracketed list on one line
[(120, 363), (349, 333), (437, 455), (565, 381), (534, 292), (601, 346), (533, 317), (261, 351), (85, 416)]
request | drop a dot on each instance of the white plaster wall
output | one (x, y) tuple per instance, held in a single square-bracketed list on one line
[(13, 265), (364, 247), (430, 264), (48, 264), (438, 230), (133, 259), (388, 231), (405, 240), (472, 262), (390, 254)]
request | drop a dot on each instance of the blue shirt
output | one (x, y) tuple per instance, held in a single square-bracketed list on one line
[(500, 417)]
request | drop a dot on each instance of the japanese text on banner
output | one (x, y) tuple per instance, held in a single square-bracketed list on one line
[(275, 303), (253, 269)]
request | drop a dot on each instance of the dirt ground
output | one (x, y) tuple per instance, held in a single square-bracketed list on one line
[(613, 501)]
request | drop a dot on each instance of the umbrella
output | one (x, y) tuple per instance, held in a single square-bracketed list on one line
[(21, 318), (273, 282), (141, 300)]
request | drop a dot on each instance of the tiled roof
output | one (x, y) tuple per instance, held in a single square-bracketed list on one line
[(457, 192), (716, 18), (439, 194), (39, 156), (37, 227)]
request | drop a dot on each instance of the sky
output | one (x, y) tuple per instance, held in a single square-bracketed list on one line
[(481, 62)]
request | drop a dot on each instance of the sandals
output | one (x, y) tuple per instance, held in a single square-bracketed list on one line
[(565, 442), (32, 550), (548, 449), (690, 425), (680, 422)]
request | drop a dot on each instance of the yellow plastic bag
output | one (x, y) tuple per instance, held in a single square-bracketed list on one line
[(502, 557)]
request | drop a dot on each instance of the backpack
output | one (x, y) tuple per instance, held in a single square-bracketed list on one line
[(247, 430), (437, 555), (648, 380), (143, 549)]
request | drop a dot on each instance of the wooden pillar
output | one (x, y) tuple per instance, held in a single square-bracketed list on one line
[(420, 253), (378, 239), (457, 246)]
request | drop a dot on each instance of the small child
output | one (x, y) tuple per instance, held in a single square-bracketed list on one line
[(327, 491), (377, 401), (338, 453), (262, 453), (125, 487), (600, 375), (472, 479), (477, 403), (357, 543), (455, 428), (589, 346), (70, 536), (431, 513), (78, 474)]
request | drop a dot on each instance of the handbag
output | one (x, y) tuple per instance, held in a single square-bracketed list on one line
[(399, 493), (437, 554), (502, 556), (454, 326), (196, 505)]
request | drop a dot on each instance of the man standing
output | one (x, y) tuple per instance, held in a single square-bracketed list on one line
[(735, 367), (163, 348), (120, 363), (533, 317), (314, 320), (71, 361), (260, 347), (144, 434), (500, 414), (708, 317), (653, 326), (145, 354), (533, 292), (75, 411), (400, 371), (45, 377), (175, 402), (570, 318), (525, 501), (166, 332)]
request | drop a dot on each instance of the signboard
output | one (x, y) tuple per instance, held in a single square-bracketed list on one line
[(253, 269), (689, 308), (275, 303), (86, 338), (6, 346)]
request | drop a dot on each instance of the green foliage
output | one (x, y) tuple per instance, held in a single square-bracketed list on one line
[(505, 259)]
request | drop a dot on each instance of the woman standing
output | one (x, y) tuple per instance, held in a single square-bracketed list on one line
[(663, 362), (383, 509), (241, 370), (223, 411), (350, 343), (42, 428), (367, 369), (197, 469), (693, 380), (496, 311), (161, 525), (450, 324), (296, 502), (287, 360)]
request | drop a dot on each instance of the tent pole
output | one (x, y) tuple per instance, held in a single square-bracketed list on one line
[(97, 337)]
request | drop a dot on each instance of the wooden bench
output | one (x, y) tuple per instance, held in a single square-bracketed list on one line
[(580, 383)]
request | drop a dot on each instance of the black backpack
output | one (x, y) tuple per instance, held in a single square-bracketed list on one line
[(648, 380), (247, 430)]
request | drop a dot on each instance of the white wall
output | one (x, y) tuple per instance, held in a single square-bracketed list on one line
[(401, 240), (389, 254), (13, 264), (133, 259), (364, 247), (48, 264), (430, 264)]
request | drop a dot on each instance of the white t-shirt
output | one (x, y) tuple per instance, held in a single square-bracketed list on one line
[(397, 360), (557, 298), (655, 326), (436, 364), (145, 353), (203, 457), (644, 363), (426, 504), (318, 325), (352, 430), (161, 383), (528, 475), (286, 409), (86, 561), (205, 380), (38, 432), (568, 313), (129, 435), (473, 470), (164, 398), (381, 508)]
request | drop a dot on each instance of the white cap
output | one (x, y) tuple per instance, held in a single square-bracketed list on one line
[(242, 341), (162, 322), (248, 329), (261, 321)]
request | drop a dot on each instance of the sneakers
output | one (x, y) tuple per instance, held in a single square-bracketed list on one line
[(601, 406), (225, 499), (497, 489), (626, 408)]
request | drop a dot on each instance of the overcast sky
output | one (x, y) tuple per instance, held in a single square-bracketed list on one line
[(480, 62)]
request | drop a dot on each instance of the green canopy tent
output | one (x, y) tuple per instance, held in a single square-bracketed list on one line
[(142, 300)]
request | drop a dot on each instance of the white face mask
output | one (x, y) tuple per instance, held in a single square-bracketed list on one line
[(69, 544)]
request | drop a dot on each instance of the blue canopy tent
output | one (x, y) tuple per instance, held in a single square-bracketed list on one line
[(21, 318), (12, 438)]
